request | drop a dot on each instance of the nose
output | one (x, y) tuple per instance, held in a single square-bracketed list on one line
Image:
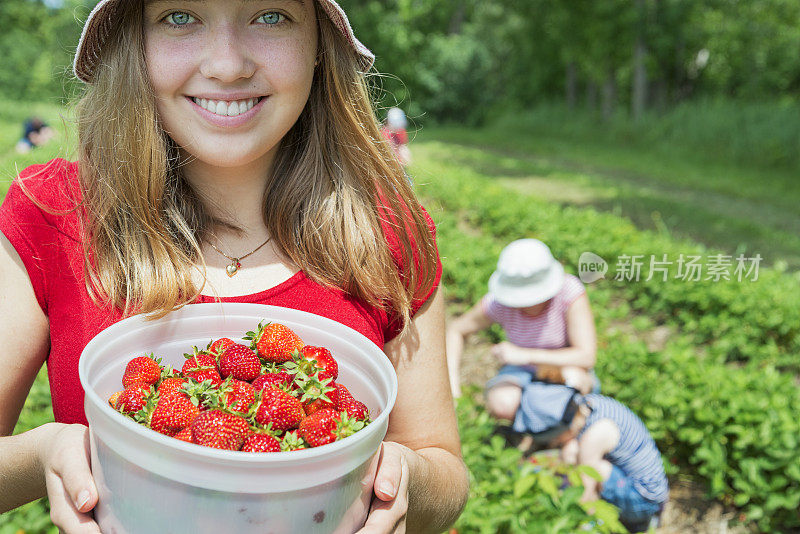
[(227, 58)]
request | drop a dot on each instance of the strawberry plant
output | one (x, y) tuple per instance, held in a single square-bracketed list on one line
[(509, 494)]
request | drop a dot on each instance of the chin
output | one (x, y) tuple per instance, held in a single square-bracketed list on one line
[(227, 159)]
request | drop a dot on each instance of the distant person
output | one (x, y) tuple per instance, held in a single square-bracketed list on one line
[(394, 131), (35, 133), (547, 320), (602, 433)]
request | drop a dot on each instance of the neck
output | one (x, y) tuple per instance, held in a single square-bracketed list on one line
[(233, 194)]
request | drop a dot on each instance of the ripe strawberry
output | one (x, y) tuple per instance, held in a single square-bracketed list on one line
[(218, 347), (170, 385), (133, 398), (201, 366), (112, 400), (322, 361), (143, 369), (332, 394), (236, 396), (185, 434), (292, 442), (327, 426), (312, 389), (280, 409), (274, 342), (220, 430), (173, 413), (239, 362), (339, 392), (317, 405), (346, 402), (261, 443), (280, 379), (354, 409)]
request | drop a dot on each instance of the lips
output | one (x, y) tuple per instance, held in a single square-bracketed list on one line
[(227, 113), (227, 108)]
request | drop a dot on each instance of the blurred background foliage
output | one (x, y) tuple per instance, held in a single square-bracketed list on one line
[(607, 56), (723, 75)]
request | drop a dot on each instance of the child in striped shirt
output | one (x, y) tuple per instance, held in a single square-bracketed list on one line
[(602, 433)]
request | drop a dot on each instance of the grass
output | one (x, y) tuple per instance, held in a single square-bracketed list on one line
[(735, 208), (12, 116)]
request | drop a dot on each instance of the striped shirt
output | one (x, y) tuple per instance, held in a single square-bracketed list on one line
[(636, 453), (548, 330)]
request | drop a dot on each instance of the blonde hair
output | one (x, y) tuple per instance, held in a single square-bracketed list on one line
[(335, 192)]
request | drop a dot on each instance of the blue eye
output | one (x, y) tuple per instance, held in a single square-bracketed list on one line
[(179, 18), (272, 18)]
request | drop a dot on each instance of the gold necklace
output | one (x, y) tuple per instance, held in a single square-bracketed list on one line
[(236, 263)]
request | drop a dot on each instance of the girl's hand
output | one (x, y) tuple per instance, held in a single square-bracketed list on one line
[(70, 486), (509, 354), (390, 502)]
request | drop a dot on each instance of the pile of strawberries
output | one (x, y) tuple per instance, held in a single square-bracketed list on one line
[(275, 394)]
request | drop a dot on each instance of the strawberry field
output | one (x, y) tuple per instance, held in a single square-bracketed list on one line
[(720, 397)]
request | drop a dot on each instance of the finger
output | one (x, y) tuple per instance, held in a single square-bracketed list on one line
[(72, 467), (64, 513), (389, 474), (390, 516)]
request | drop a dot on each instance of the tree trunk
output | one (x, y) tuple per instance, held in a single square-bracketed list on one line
[(659, 92), (591, 96), (679, 79), (610, 94), (572, 85), (457, 20), (639, 96)]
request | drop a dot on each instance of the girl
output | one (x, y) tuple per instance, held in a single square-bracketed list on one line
[(227, 151), (547, 319)]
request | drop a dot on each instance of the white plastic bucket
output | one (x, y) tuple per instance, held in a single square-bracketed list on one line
[(150, 483)]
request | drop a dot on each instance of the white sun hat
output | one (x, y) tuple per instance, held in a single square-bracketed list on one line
[(396, 118), (527, 274)]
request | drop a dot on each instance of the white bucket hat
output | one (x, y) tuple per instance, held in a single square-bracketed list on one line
[(527, 274), (396, 118), (100, 23)]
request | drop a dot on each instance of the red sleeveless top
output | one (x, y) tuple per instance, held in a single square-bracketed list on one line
[(50, 248)]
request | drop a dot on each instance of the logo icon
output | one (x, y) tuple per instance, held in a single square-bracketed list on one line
[(591, 267)]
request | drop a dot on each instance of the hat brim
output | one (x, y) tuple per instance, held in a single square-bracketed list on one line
[(99, 24), (522, 297)]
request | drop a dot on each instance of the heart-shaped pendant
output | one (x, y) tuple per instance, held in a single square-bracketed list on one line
[(233, 268)]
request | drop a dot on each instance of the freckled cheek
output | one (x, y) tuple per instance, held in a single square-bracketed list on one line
[(167, 65), (289, 66)]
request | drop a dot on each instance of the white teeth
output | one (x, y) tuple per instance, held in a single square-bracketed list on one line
[(226, 108)]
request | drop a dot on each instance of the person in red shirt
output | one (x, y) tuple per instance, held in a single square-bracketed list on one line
[(394, 131), (227, 152)]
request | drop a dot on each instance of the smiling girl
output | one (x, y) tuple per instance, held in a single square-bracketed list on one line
[(228, 151)]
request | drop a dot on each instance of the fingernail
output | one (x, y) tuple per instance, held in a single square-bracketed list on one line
[(83, 498), (387, 488)]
